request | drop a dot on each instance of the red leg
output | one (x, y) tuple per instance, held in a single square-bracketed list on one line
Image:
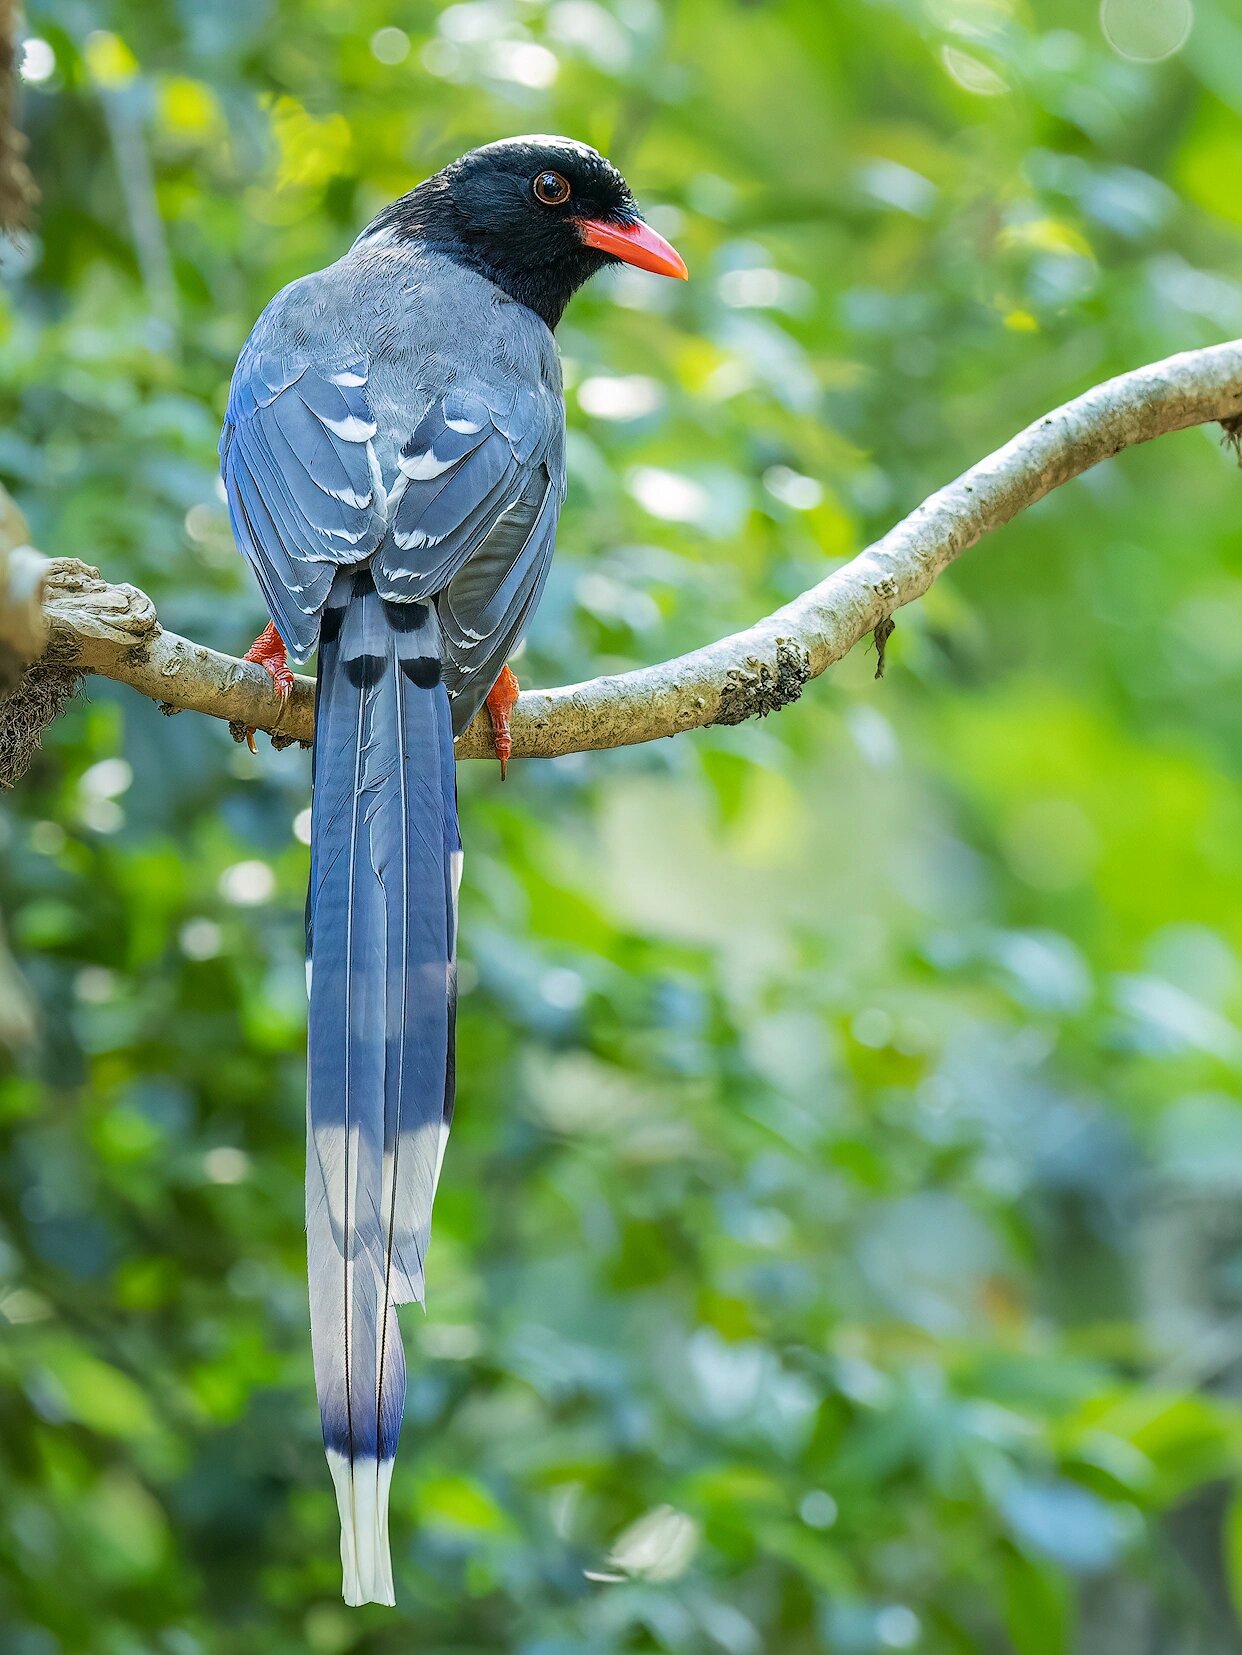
[(504, 693), (268, 651)]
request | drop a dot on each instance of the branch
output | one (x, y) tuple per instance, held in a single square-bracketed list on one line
[(23, 577), (114, 629), (23, 637), (18, 193)]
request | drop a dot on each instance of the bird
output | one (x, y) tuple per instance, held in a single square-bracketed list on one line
[(393, 458)]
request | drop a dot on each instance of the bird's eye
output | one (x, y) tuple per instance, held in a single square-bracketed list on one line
[(551, 189)]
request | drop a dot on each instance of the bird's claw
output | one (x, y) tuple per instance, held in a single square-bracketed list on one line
[(268, 651), (500, 703)]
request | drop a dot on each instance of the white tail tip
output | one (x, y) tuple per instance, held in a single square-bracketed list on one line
[(362, 1498)]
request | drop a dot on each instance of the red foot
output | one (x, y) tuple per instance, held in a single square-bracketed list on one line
[(504, 693), (268, 651)]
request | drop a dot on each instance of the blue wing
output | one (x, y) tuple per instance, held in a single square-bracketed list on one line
[(485, 608), (473, 525), (302, 481), (469, 521)]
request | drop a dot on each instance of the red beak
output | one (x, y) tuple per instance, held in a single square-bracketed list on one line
[(636, 244)]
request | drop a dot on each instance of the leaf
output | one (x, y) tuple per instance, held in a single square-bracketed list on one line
[(1038, 1607), (1232, 1540)]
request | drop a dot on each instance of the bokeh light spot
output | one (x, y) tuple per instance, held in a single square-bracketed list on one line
[(971, 74), (38, 61), (1147, 30), (390, 45), (200, 939), (226, 1165), (619, 397), (818, 1509), (247, 884)]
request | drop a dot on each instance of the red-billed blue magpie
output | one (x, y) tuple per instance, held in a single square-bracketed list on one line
[(394, 459)]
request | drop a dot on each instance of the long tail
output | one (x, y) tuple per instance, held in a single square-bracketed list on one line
[(381, 949)]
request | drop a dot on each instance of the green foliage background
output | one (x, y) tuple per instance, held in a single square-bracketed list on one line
[(845, 1184)]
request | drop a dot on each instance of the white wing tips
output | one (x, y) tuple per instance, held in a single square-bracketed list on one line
[(362, 1499)]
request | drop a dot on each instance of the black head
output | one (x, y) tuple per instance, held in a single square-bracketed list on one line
[(538, 216)]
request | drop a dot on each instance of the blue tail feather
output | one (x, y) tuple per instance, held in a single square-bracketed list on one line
[(381, 939)]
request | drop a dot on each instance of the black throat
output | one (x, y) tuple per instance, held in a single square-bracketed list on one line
[(536, 271)]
